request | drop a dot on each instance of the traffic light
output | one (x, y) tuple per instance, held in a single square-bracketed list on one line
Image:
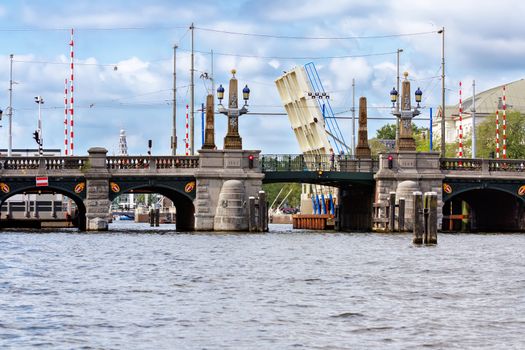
[(390, 161), (250, 161), (36, 137)]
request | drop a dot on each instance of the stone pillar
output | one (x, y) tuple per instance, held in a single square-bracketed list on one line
[(406, 141), (231, 212), (209, 137), (218, 203), (97, 194), (363, 150), (233, 140)]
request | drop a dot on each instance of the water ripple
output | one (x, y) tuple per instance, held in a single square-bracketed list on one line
[(284, 290)]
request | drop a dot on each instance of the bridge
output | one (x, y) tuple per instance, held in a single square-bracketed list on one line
[(489, 194)]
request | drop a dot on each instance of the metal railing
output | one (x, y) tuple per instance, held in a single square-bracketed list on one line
[(482, 165), (317, 162)]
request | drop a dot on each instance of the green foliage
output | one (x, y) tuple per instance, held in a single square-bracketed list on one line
[(376, 147), (294, 199), (386, 132), (486, 138)]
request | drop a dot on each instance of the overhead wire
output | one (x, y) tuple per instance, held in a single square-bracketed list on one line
[(276, 36)]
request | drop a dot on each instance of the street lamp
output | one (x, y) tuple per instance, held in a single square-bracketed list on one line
[(38, 133), (220, 94), (397, 86), (233, 140), (442, 32), (405, 142), (393, 98), (246, 94), (419, 95)]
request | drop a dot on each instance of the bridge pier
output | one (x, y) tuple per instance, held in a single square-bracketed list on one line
[(411, 171), (355, 208), (216, 170), (97, 201)]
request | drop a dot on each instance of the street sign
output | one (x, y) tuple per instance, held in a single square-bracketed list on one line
[(41, 181)]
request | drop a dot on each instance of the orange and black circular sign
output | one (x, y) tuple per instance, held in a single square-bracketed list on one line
[(4, 187), (521, 190), (447, 188), (80, 187), (190, 186), (114, 187)]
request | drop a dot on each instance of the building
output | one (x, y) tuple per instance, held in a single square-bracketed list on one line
[(487, 102)]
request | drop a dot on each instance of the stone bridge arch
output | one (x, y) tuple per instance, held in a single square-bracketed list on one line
[(22, 187), (181, 193), (484, 206)]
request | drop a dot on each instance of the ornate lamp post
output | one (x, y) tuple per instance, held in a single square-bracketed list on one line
[(233, 140), (406, 141)]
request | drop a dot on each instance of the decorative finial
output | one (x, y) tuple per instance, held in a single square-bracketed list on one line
[(233, 72), (405, 74)]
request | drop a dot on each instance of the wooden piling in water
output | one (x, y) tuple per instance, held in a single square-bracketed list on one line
[(431, 218), (392, 212), (157, 217), (252, 223), (151, 217), (401, 215), (263, 212), (418, 218)]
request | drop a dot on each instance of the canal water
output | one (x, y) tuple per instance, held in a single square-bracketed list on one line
[(136, 288)]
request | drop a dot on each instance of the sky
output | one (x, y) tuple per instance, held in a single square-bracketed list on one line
[(124, 62)]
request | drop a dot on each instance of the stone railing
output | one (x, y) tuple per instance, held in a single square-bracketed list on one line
[(318, 162), (152, 162), (43, 163), (113, 164), (482, 165)]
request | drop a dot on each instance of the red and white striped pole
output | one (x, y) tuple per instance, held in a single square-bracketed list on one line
[(497, 134), (66, 150), (72, 100), (187, 132), (460, 149), (504, 124)]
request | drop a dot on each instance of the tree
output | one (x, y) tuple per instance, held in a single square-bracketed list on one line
[(294, 199), (386, 132), (486, 136)]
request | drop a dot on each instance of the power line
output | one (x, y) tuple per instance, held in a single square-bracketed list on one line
[(294, 58), (68, 63), (88, 29), (314, 38)]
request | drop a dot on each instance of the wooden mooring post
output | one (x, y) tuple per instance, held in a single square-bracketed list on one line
[(425, 218), (384, 215), (258, 213), (430, 236)]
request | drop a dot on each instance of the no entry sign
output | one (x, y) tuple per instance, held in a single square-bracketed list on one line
[(41, 181)]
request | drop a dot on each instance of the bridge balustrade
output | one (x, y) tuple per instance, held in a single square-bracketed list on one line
[(45, 163), (316, 162), (482, 165), (150, 162)]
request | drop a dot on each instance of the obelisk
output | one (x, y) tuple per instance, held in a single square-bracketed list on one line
[(363, 149), (209, 135)]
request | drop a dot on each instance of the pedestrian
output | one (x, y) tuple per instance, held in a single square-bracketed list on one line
[(332, 159)]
